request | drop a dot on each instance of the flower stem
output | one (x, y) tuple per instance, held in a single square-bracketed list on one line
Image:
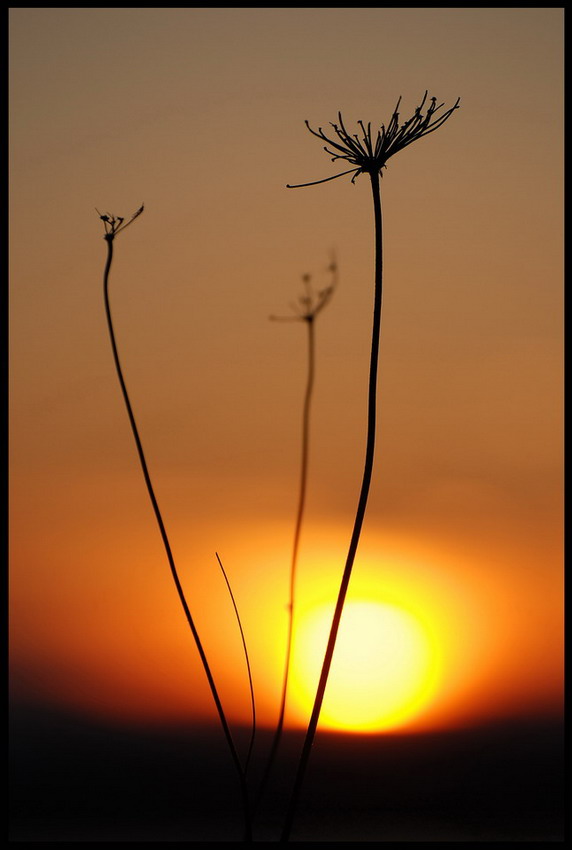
[(360, 513), (309, 320), (147, 477), (248, 668)]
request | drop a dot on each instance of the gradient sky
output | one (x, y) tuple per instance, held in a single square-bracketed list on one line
[(199, 113)]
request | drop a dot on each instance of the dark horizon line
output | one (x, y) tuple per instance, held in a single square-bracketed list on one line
[(35, 709)]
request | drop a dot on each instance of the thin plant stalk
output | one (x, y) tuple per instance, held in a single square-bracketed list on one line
[(295, 547), (360, 513), (248, 668), (113, 227), (367, 155), (310, 325), (306, 310)]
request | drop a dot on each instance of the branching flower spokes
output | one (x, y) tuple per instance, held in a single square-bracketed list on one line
[(368, 155), (115, 224), (311, 302)]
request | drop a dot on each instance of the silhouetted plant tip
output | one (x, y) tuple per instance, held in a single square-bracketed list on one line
[(308, 305), (305, 309), (113, 226), (368, 155), (248, 668)]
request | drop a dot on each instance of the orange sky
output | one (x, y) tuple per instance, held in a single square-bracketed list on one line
[(200, 114)]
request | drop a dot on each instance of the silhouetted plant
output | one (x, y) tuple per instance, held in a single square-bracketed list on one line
[(248, 668), (305, 309), (367, 155), (113, 226)]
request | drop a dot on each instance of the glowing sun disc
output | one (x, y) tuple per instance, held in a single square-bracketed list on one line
[(383, 671)]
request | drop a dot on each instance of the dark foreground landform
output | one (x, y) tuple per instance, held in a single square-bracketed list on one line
[(77, 780)]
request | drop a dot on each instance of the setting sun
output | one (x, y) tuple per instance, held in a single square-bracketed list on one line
[(384, 669)]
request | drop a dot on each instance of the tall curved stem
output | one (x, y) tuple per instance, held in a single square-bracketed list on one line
[(309, 320), (170, 558), (248, 668), (360, 513)]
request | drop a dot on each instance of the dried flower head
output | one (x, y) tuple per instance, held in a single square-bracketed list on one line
[(369, 155), (115, 224), (311, 302)]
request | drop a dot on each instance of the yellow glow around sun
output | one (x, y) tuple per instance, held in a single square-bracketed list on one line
[(384, 669)]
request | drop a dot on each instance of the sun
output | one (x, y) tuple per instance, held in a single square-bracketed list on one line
[(384, 669)]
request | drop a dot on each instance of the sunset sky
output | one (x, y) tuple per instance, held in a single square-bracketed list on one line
[(199, 113)]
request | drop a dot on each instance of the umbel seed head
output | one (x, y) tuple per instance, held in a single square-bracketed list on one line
[(368, 155)]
